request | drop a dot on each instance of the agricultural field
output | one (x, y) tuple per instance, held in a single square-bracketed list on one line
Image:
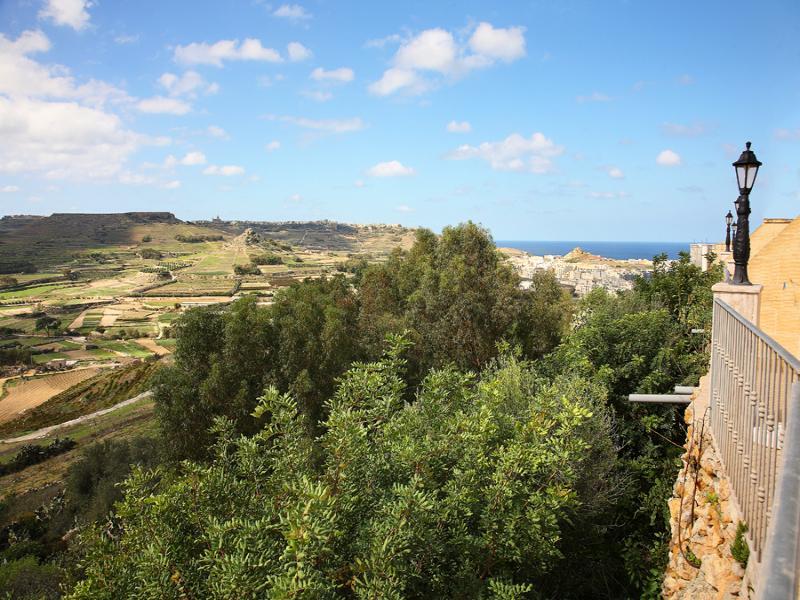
[(88, 304)]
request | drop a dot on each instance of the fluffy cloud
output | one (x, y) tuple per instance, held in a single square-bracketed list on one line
[(70, 13), (692, 130), (9, 189), (63, 140), (189, 84), (456, 127), (437, 52), (297, 52), (163, 106), (668, 158), (615, 173), (495, 43), (217, 132), (24, 76), (392, 168), (193, 159), (54, 126), (225, 171), (340, 75), (515, 153), (594, 97), (293, 12), (323, 125), (172, 185), (296, 198), (272, 146), (202, 53), (404, 208)]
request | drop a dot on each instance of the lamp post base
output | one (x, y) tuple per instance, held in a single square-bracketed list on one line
[(740, 276)]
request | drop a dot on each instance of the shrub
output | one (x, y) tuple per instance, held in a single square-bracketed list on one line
[(739, 548), (150, 253), (267, 259), (146, 239), (246, 270), (26, 579), (32, 454)]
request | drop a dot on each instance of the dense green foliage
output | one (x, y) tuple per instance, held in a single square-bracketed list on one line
[(266, 259), (491, 452), (466, 489), (251, 269), (31, 454)]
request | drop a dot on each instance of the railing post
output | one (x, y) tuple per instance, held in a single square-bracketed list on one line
[(744, 299)]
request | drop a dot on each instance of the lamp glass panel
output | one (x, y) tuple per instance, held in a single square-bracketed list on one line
[(728, 219), (752, 171), (741, 176)]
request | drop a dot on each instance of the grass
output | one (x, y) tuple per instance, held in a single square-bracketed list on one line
[(168, 343), (41, 359)]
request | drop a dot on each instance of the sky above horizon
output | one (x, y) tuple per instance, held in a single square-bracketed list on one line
[(568, 120)]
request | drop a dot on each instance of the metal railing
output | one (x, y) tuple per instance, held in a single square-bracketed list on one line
[(751, 387), (781, 567)]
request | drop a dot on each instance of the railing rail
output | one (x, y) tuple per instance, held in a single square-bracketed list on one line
[(781, 568), (751, 387)]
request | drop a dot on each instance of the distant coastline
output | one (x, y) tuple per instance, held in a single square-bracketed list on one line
[(615, 250)]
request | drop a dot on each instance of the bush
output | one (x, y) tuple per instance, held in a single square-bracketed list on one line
[(267, 259), (6, 281), (32, 454), (246, 270), (150, 253), (26, 579), (197, 239), (146, 239)]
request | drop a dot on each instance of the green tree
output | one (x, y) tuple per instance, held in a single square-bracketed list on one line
[(466, 492)]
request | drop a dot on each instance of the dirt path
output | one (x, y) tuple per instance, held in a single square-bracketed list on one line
[(40, 433), (33, 392), (78, 322)]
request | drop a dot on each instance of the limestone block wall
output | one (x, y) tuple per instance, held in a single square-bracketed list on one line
[(704, 517)]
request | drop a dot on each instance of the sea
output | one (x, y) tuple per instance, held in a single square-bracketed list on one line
[(616, 250)]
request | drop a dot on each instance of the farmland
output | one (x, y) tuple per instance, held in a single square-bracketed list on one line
[(88, 304)]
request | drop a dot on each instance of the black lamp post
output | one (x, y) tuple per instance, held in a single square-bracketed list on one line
[(746, 171), (728, 221)]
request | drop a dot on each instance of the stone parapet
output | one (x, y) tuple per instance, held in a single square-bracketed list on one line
[(744, 299)]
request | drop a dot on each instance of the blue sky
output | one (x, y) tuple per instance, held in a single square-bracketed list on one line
[(541, 120)]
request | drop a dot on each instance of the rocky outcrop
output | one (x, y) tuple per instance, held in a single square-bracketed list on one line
[(704, 518)]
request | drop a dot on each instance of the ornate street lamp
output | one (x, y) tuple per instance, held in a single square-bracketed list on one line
[(746, 171), (728, 221)]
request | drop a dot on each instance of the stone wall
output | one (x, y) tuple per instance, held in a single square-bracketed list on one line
[(704, 517)]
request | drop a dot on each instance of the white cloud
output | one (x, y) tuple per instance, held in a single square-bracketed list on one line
[(359, 183), (459, 127), (404, 208), (692, 130), (70, 13), (515, 153), (293, 12), (437, 51), (164, 106), (188, 84), (9, 189), (193, 158), (594, 97), (295, 198), (396, 79), (668, 158), (608, 195), (341, 75), (217, 132), (225, 170), (273, 145), (615, 173), (392, 168), (172, 185), (394, 38), (433, 50), (20, 75), (297, 52), (125, 39), (787, 134), (324, 125), (203, 53), (63, 140), (318, 95), (501, 44)]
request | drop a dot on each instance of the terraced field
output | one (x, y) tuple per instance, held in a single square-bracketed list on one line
[(21, 395)]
